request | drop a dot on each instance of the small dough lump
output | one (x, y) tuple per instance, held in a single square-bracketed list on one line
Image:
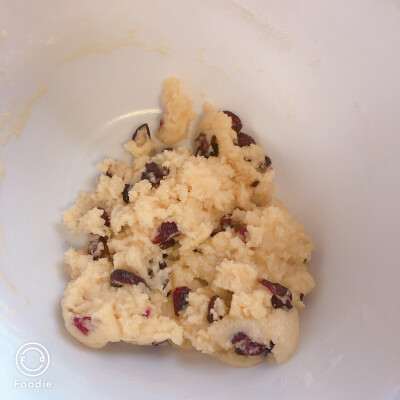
[(188, 247)]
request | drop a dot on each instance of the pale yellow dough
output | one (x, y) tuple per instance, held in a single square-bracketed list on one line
[(195, 194), (178, 113)]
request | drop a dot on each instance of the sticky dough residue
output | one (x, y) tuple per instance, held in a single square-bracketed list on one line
[(106, 47), (12, 123)]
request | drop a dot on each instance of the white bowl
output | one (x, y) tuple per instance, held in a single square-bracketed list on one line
[(316, 82)]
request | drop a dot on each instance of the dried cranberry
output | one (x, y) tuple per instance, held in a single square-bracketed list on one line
[(226, 221), (147, 312), (214, 232), (236, 122), (154, 173), (245, 346), (125, 193), (179, 296), (281, 295), (243, 140), (141, 135), (83, 324), (159, 343), (243, 233), (202, 145), (211, 305), (166, 232), (264, 165), (214, 146), (255, 184), (109, 173), (165, 255), (165, 283), (271, 346), (168, 149), (162, 265), (94, 249), (276, 288), (167, 244), (120, 277), (105, 216), (301, 296)]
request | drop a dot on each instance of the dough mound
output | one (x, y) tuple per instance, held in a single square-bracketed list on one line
[(188, 248)]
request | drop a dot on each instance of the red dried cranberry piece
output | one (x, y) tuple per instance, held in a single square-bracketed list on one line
[(109, 173), (166, 232), (105, 216), (271, 346), (213, 233), (202, 145), (154, 173), (255, 184), (211, 304), (141, 134), (214, 146), (244, 346), (243, 233), (147, 312), (264, 165), (94, 249), (164, 342), (167, 244), (236, 122), (120, 277), (279, 303), (83, 324), (165, 283), (226, 221), (179, 296), (243, 140), (162, 265), (125, 193), (281, 295)]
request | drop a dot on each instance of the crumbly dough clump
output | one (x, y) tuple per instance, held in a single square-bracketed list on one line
[(178, 115), (189, 248)]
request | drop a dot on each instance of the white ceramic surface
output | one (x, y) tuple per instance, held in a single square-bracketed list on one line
[(316, 82)]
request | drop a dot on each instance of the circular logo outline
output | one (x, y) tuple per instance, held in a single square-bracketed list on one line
[(20, 358)]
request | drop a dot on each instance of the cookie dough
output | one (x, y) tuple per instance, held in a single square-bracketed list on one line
[(189, 247), (174, 124)]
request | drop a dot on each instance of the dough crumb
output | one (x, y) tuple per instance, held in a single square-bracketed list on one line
[(175, 122)]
